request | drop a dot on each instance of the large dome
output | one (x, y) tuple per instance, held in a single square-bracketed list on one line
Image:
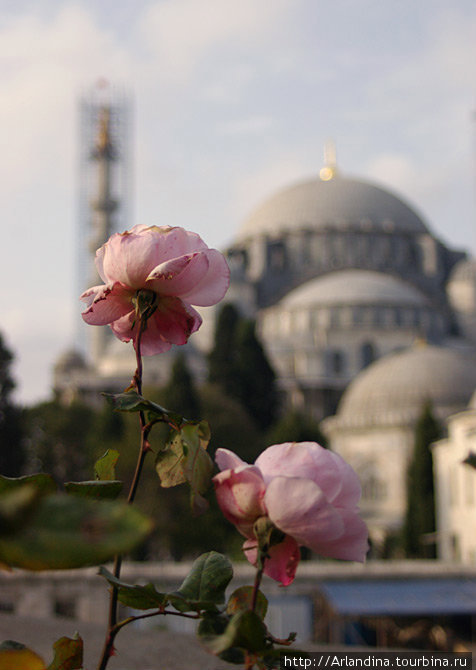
[(394, 389), (355, 287), (337, 203)]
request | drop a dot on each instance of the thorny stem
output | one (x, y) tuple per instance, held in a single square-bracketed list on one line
[(114, 630), (256, 585), (113, 626)]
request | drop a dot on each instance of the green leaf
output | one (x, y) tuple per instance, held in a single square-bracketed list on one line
[(16, 508), (204, 587), (131, 401), (136, 596), (96, 490), (41, 482), (14, 655), (104, 468), (68, 654), (185, 459), (71, 532), (244, 630), (240, 600), (213, 625)]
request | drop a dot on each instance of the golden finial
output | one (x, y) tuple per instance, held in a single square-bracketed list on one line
[(103, 132), (329, 171)]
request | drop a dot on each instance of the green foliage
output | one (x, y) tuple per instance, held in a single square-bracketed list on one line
[(231, 425), (185, 459), (180, 392), (241, 599), (62, 532), (12, 454), (105, 467), (256, 380), (239, 366), (68, 654), (202, 590), (420, 514), (105, 490), (296, 427), (245, 630), (42, 482), (221, 360), (61, 440), (131, 401), (205, 585), (136, 596)]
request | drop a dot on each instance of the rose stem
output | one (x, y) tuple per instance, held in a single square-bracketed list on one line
[(144, 448)]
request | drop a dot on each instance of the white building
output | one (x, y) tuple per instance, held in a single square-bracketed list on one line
[(373, 428), (456, 488)]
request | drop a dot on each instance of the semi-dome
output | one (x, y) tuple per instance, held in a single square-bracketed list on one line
[(337, 203), (359, 287), (72, 359), (394, 389), (465, 270)]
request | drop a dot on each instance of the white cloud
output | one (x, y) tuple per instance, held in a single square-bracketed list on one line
[(182, 32), (256, 185), (248, 125)]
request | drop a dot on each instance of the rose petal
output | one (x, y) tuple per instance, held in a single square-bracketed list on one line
[(178, 276), (352, 545), (213, 286), (282, 562), (299, 508), (239, 494), (226, 459), (350, 490), (304, 459), (173, 320), (128, 257), (105, 304)]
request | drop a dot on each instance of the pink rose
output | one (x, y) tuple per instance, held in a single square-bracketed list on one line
[(173, 266), (308, 492)]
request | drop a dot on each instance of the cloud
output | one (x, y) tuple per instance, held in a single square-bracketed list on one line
[(259, 184), (182, 32), (251, 125)]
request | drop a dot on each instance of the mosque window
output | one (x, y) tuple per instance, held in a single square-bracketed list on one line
[(336, 362), (277, 256), (373, 488), (368, 353)]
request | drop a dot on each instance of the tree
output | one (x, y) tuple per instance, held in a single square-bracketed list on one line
[(11, 447), (239, 365), (180, 394), (222, 358), (420, 514), (256, 380), (62, 440), (296, 427)]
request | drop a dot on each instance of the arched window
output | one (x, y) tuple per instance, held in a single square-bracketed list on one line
[(368, 354), (336, 362)]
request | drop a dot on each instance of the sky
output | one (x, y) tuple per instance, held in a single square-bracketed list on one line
[(231, 102)]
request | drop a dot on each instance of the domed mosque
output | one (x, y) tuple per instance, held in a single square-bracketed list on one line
[(339, 272), (365, 315)]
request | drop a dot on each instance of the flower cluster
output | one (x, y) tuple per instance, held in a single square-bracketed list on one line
[(308, 492), (169, 269)]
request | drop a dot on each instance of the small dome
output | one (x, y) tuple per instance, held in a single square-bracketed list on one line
[(359, 287), (464, 271), (338, 203), (70, 360), (394, 389)]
